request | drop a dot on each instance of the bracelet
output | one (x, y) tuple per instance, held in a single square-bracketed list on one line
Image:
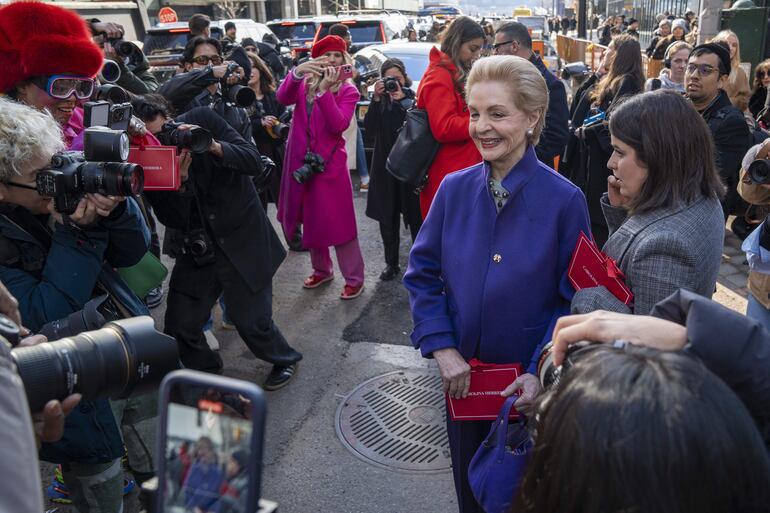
[(294, 74)]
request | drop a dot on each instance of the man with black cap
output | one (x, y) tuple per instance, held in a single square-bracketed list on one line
[(707, 71)]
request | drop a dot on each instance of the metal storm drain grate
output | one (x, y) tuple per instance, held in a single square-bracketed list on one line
[(397, 421)]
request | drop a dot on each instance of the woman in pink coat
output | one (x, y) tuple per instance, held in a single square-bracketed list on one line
[(321, 201)]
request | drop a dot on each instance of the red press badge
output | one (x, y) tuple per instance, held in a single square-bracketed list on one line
[(590, 268), (484, 400), (160, 164)]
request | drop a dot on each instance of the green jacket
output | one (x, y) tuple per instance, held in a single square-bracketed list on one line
[(135, 77)]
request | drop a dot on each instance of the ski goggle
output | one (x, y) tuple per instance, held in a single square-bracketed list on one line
[(64, 86)]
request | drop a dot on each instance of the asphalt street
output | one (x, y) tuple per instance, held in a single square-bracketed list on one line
[(344, 343)]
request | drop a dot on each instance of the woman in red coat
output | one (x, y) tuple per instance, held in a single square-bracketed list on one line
[(442, 95)]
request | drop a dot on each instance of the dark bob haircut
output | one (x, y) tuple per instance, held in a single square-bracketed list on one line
[(192, 44), (679, 158), (637, 430), (398, 64), (148, 106)]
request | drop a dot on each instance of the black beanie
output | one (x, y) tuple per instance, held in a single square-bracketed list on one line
[(720, 50)]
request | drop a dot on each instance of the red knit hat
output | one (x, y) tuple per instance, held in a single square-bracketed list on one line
[(327, 44), (38, 39)]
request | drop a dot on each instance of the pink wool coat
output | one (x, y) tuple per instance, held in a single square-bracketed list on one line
[(323, 204)]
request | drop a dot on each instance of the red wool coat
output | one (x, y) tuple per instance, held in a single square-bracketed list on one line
[(449, 117)]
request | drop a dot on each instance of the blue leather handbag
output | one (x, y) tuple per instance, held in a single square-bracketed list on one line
[(500, 462)]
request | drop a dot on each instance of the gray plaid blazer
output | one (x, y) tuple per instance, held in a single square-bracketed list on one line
[(660, 252)]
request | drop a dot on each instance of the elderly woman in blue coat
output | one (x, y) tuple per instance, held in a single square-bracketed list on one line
[(487, 274)]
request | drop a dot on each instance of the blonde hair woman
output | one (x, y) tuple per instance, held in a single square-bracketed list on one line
[(514, 220), (315, 193), (737, 85)]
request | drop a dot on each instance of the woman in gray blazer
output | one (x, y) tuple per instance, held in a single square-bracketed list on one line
[(662, 204)]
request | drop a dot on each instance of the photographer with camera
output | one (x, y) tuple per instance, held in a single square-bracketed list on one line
[(228, 245), (754, 187), (209, 81), (54, 263), (316, 190), (269, 125), (135, 76), (389, 198)]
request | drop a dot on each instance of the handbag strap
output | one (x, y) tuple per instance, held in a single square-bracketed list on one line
[(499, 429)]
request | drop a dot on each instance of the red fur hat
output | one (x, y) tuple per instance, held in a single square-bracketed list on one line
[(328, 44), (38, 39)]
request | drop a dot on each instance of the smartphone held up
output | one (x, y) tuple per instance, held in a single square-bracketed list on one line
[(210, 440)]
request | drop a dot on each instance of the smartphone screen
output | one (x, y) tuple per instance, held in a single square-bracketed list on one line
[(96, 114), (212, 446)]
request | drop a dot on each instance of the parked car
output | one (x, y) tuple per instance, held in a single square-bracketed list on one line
[(165, 42), (368, 29), (299, 32), (415, 56)]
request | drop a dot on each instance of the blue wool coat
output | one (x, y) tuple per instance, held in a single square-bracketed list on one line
[(492, 285)]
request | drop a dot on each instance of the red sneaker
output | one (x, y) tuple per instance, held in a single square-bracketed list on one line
[(351, 292), (316, 281)]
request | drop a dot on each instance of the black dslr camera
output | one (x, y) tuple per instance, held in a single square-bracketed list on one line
[(391, 84), (280, 130), (237, 94), (200, 246), (101, 168), (196, 139), (313, 165), (123, 48)]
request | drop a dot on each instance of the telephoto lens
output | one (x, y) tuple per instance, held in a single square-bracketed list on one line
[(123, 358), (196, 139), (241, 96), (759, 171), (113, 178), (110, 93)]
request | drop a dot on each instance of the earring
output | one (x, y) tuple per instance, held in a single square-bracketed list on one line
[(530, 133)]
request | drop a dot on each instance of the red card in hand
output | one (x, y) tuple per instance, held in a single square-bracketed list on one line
[(160, 164), (590, 268), (484, 400)]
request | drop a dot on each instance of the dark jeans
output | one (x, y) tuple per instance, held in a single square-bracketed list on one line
[(189, 307), (464, 439)]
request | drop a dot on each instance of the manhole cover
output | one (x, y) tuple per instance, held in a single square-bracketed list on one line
[(397, 421)]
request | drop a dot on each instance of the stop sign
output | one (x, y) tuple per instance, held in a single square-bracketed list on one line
[(167, 15)]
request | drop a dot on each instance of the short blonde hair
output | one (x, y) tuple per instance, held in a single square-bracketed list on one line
[(25, 133), (523, 80)]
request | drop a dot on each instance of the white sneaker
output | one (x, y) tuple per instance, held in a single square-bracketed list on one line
[(211, 340)]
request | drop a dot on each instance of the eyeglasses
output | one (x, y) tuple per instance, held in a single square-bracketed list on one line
[(703, 70), (22, 186), (203, 60), (500, 45), (64, 86)]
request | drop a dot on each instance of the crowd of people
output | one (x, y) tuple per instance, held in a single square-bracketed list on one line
[(493, 231)]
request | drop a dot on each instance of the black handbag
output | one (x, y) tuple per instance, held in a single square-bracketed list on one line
[(414, 150)]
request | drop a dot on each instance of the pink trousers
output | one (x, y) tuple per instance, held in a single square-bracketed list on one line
[(349, 258)]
